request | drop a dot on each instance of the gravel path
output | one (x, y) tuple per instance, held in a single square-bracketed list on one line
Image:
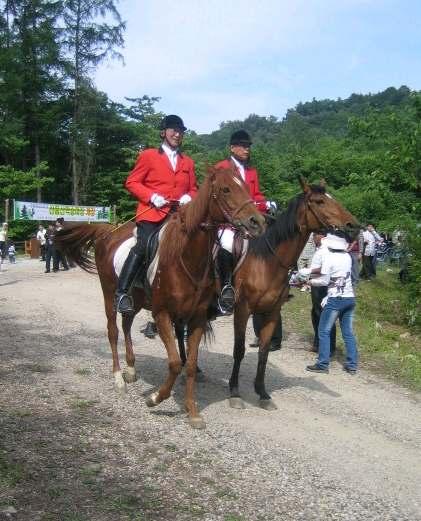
[(338, 447)]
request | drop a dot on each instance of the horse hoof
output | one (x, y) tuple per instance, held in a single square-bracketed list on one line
[(268, 405), (237, 403), (119, 383), (153, 399), (130, 377), (197, 422), (120, 388), (200, 377)]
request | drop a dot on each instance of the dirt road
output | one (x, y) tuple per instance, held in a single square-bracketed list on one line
[(338, 447)]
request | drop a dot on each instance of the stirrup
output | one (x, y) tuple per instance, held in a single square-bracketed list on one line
[(124, 304), (226, 300)]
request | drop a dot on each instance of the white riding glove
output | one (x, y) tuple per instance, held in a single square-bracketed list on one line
[(158, 201), (184, 199), (271, 205)]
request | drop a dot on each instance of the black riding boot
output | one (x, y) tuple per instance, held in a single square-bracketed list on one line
[(123, 302), (226, 299), (149, 330)]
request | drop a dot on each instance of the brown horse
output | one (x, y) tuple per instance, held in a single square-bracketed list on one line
[(184, 283), (262, 282)]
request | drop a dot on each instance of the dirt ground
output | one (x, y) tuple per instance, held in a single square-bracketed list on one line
[(338, 447)]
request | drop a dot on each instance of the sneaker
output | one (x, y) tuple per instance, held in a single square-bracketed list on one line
[(317, 369), (350, 370), (275, 347)]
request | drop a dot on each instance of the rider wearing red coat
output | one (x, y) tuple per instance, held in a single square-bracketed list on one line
[(250, 178), (154, 174), (240, 144), (160, 177)]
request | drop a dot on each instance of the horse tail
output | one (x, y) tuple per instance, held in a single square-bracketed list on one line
[(77, 241)]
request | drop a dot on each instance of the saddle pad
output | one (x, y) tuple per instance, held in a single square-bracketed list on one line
[(123, 250)]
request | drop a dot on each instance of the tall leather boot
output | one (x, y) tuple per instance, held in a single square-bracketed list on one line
[(122, 301), (226, 300)]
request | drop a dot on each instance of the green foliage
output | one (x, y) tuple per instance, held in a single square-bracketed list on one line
[(18, 183)]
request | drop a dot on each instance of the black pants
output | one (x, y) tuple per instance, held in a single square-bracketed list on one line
[(258, 319), (57, 258), (369, 269), (318, 293), (42, 249), (144, 231), (49, 254)]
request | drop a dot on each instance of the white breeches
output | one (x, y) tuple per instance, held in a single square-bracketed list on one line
[(226, 238)]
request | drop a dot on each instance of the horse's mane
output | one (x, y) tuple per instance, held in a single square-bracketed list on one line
[(185, 222), (285, 227)]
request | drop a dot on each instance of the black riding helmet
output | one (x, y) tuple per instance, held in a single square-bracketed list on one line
[(240, 137), (172, 121)]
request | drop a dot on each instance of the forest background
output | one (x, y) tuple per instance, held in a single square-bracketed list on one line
[(63, 141)]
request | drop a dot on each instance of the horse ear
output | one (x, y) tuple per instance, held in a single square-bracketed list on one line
[(304, 185), (322, 182)]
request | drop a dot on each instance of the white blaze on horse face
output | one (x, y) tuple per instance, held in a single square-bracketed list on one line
[(328, 195)]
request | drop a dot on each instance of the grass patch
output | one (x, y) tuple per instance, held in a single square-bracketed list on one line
[(55, 492), (11, 473), (83, 371), (226, 493), (124, 503), (20, 413), (233, 517), (192, 509), (74, 517), (384, 340), (82, 405), (39, 368)]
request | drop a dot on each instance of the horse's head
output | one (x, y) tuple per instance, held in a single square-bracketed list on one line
[(321, 210), (231, 203)]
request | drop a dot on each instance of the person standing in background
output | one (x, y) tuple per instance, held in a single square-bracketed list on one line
[(42, 241), (3, 242), (49, 248)]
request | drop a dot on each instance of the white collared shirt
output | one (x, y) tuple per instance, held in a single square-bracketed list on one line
[(171, 154), (240, 167)]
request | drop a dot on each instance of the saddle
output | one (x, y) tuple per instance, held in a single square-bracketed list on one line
[(151, 258)]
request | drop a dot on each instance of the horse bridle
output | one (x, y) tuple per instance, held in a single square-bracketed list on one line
[(228, 214)]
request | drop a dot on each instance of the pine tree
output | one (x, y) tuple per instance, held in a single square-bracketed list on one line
[(88, 43)]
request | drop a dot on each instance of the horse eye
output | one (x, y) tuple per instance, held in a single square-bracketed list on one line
[(226, 190), (320, 201)]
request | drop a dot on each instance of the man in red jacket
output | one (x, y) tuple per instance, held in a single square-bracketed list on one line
[(240, 144), (159, 177)]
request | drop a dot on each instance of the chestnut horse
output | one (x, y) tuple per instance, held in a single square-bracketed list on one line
[(262, 282), (184, 284)]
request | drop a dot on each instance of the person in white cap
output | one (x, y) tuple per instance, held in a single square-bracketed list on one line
[(335, 273)]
